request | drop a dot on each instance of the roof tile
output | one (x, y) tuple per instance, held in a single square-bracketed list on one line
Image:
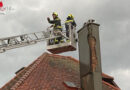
[(49, 72)]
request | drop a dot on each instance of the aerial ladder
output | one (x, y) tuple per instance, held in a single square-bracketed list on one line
[(18, 41)]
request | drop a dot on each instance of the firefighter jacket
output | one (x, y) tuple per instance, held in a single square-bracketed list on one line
[(70, 20), (56, 23)]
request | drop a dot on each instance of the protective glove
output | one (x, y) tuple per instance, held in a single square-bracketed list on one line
[(48, 18)]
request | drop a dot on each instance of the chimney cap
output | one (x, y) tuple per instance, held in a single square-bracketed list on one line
[(90, 21)]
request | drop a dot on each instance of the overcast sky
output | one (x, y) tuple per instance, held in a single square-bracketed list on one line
[(30, 16)]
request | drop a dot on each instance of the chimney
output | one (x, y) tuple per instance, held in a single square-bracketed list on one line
[(90, 57)]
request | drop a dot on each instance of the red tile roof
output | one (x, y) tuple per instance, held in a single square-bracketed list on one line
[(51, 72)]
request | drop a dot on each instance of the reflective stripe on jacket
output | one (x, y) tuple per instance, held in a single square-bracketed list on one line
[(71, 21)]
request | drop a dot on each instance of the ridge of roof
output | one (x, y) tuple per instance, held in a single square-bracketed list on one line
[(25, 73), (16, 77), (28, 72)]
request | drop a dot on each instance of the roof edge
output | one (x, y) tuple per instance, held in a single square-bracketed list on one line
[(111, 86)]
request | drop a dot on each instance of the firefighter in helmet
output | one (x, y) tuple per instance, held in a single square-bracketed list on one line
[(69, 19), (57, 28)]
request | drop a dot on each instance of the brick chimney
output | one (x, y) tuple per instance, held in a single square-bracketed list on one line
[(90, 57)]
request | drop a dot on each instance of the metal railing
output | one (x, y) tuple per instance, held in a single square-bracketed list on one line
[(28, 39)]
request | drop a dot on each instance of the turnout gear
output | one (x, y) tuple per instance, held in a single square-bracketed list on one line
[(56, 24), (70, 19)]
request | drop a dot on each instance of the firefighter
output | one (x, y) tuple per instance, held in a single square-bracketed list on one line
[(57, 28), (70, 19)]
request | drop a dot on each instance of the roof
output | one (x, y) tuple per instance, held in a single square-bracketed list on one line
[(52, 72)]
